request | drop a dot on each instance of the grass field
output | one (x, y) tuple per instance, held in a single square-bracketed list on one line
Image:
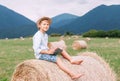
[(14, 51)]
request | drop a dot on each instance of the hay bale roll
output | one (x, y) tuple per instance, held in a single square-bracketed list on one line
[(93, 67), (79, 44), (87, 39), (119, 41), (57, 44)]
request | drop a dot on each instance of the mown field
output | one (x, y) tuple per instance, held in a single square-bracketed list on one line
[(14, 51)]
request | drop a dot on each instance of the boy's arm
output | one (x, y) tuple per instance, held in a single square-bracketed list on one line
[(37, 49)]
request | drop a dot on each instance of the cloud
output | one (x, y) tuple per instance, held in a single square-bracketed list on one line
[(34, 9)]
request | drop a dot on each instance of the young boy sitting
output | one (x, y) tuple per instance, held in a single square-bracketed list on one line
[(42, 52)]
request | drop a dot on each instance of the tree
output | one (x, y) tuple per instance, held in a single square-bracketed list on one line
[(91, 33), (68, 34)]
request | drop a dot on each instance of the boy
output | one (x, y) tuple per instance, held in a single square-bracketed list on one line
[(41, 50)]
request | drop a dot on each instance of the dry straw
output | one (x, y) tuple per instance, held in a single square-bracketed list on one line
[(79, 44), (87, 39), (57, 44), (93, 67), (118, 41)]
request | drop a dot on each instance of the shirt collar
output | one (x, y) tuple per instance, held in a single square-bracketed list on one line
[(43, 34)]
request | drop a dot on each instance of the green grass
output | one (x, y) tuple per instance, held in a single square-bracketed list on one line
[(14, 51)]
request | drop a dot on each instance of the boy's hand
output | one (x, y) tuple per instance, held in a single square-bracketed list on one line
[(51, 51)]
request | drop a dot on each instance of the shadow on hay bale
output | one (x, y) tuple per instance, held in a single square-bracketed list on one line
[(94, 68)]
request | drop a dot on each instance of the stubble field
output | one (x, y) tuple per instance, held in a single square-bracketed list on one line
[(14, 51)]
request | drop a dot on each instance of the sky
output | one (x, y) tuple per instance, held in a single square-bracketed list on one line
[(35, 9)]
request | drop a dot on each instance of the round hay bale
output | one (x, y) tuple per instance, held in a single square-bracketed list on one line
[(57, 44), (79, 44), (76, 37), (62, 38), (93, 67), (119, 41), (87, 39), (106, 37)]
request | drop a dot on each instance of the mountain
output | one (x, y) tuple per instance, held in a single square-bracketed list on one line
[(61, 20), (64, 18), (14, 25), (100, 18)]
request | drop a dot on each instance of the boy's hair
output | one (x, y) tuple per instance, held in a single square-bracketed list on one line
[(42, 19)]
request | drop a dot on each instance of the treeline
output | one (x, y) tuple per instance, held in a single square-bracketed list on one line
[(101, 33), (65, 34), (93, 33)]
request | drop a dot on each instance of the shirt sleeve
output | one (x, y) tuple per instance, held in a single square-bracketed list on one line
[(36, 44)]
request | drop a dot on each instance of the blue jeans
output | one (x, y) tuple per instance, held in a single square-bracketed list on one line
[(48, 57), (51, 57)]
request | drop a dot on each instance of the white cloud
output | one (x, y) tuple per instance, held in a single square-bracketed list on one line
[(34, 9)]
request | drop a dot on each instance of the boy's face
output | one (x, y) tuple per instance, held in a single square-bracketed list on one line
[(44, 26)]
